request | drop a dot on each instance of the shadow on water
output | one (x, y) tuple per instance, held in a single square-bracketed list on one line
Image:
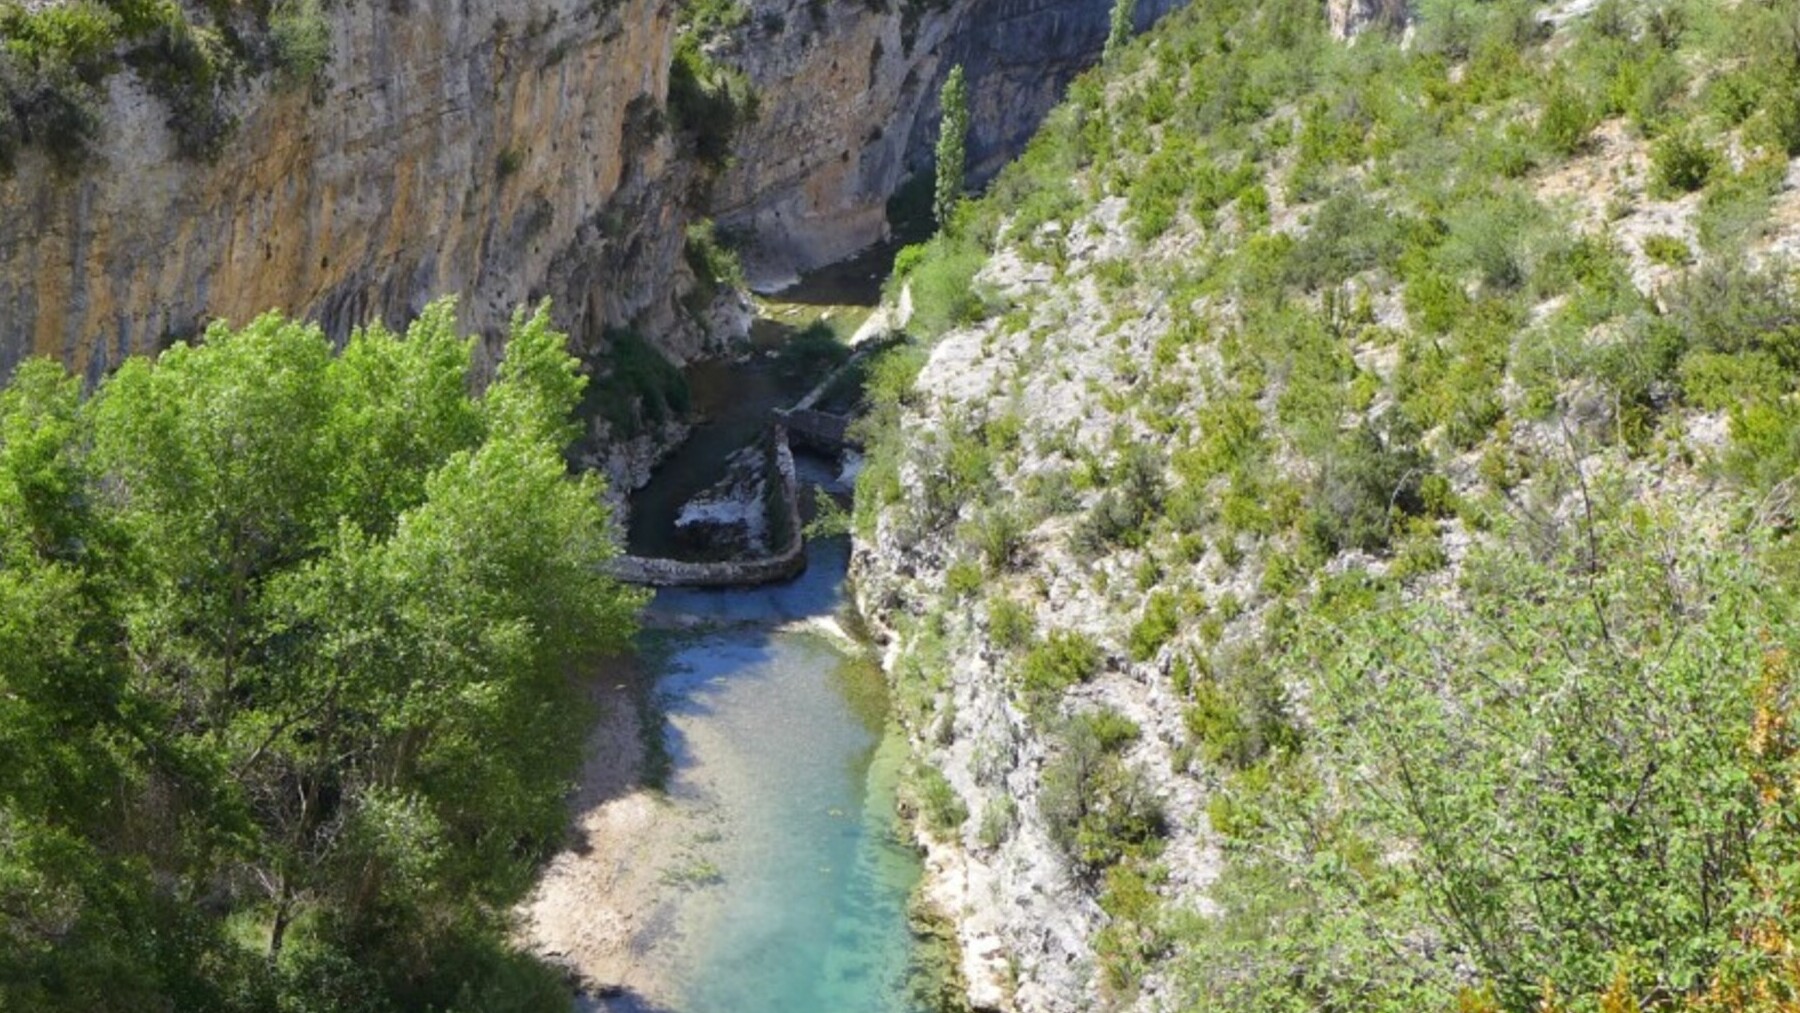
[(816, 593), (853, 282), (733, 401), (627, 1001)]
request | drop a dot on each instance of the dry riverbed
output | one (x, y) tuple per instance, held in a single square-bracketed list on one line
[(604, 905)]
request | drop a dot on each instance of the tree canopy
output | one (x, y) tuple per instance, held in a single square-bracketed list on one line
[(287, 639)]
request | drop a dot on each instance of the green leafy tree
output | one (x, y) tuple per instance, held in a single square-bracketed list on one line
[(285, 645), (952, 146)]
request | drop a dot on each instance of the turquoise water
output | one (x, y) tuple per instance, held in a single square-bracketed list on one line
[(796, 897)]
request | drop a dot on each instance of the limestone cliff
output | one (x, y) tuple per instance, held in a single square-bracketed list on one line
[(502, 151), (509, 153), (850, 110)]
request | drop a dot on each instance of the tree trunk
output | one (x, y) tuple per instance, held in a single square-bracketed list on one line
[(284, 911)]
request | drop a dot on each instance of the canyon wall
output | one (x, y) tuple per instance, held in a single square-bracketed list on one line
[(850, 110), (502, 151), (506, 152)]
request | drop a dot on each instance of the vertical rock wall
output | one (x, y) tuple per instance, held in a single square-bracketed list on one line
[(501, 151), (850, 109), (507, 151)]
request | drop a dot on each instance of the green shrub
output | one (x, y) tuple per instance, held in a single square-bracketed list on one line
[(1064, 659), (1161, 616), (1010, 624), (1765, 443), (1681, 163), (639, 389), (1435, 302), (300, 40), (1567, 121), (1635, 753), (1727, 306), (943, 287), (51, 108), (714, 263), (1421, 551), (707, 20), (1368, 479), (1717, 381), (998, 817), (999, 536), (1667, 250), (1239, 715), (906, 261), (1111, 729), (1348, 235), (715, 267), (1094, 807), (1133, 937), (1494, 238), (191, 69), (942, 808), (56, 58), (508, 163), (1778, 126), (1050, 493), (1155, 196), (77, 33), (962, 578), (1437, 496), (1736, 209), (1112, 521), (1231, 818), (708, 102)]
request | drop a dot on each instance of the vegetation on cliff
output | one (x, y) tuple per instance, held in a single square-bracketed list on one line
[(709, 101), (286, 716), (1418, 417), (56, 57)]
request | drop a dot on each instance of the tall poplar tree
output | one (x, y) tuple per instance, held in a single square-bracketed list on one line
[(1124, 14), (952, 146)]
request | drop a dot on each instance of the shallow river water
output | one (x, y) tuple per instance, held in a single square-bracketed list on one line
[(787, 889), (793, 897)]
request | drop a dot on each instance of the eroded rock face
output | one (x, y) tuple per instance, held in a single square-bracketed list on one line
[(1350, 18), (849, 110), (505, 152), (502, 151)]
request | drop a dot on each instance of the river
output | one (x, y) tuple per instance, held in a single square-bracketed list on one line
[(757, 864), (793, 897)]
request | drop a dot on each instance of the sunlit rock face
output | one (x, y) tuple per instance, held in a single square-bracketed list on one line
[(1350, 18), (500, 151), (508, 151)]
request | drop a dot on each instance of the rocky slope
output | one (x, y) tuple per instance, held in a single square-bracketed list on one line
[(1193, 409)]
